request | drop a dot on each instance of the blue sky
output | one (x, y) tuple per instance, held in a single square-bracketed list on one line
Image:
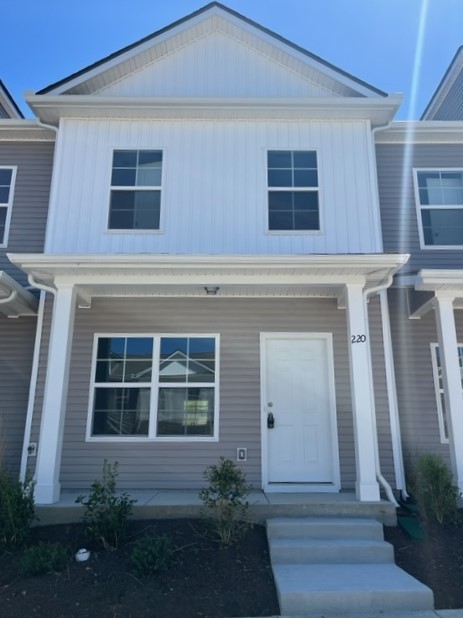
[(396, 45)]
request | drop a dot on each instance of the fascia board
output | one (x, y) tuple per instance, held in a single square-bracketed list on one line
[(219, 261), (27, 130), (318, 269), (51, 108), (421, 131), (433, 279)]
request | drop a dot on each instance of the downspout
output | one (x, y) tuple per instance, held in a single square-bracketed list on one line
[(34, 374), (379, 476), (388, 355), (36, 357)]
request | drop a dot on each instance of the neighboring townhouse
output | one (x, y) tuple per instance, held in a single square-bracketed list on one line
[(26, 156), (214, 269), (420, 175)]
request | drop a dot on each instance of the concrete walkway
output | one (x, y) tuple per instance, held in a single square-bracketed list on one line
[(434, 613), (171, 503)]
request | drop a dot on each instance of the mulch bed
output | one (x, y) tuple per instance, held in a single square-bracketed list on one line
[(436, 561), (204, 579)]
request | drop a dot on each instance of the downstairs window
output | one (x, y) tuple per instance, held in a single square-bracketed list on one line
[(161, 387)]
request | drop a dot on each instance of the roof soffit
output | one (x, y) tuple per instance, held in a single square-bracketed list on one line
[(152, 50)]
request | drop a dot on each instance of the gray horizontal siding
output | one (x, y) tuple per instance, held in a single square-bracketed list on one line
[(31, 195), (16, 351), (452, 106), (239, 323), (414, 376), (398, 209)]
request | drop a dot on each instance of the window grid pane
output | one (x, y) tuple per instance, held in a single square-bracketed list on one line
[(124, 386), (440, 196), (292, 178), (135, 202)]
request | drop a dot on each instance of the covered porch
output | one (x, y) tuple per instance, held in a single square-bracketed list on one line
[(79, 282)]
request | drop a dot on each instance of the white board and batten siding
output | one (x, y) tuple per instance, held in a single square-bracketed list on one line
[(214, 188)]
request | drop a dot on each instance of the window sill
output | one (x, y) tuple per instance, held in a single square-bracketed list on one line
[(146, 440), (134, 232), (294, 233)]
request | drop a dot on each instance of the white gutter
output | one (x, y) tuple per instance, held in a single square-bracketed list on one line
[(34, 374), (9, 298)]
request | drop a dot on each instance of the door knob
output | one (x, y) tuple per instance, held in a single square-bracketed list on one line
[(270, 421)]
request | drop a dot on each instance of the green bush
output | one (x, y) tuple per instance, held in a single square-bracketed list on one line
[(433, 489), (44, 558), (225, 500), (151, 555), (106, 514), (16, 509)]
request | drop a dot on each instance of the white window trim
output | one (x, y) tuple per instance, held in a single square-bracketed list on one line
[(154, 385), (160, 188), (419, 207), (9, 205), (269, 232), (440, 412)]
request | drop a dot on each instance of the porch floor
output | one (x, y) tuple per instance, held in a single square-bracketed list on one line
[(182, 503)]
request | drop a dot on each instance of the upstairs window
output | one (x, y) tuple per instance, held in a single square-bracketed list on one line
[(440, 207), (136, 190), (292, 179), (7, 179)]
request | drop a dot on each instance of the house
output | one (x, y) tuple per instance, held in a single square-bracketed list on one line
[(26, 155), (213, 278), (420, 175)]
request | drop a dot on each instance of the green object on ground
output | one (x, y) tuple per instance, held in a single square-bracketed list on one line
[(412, 527)]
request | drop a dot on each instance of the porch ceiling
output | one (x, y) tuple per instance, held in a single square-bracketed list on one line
[(179, 275)]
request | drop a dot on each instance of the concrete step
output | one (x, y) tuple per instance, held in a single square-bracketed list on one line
[(324, 528), (309, 551), (337, 588)]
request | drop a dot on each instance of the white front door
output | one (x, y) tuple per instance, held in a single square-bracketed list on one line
[(298, 393)]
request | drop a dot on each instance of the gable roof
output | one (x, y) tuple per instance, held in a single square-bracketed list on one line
[(81, 81), (447, 101), (8, 107)]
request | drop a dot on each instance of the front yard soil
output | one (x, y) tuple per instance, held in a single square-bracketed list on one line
[(203, 581)]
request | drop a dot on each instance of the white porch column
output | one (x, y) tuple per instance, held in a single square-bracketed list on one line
[(451, 375), (47, 489), (367, 488)]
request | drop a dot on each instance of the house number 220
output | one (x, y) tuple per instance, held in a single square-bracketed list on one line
[(358, 338)]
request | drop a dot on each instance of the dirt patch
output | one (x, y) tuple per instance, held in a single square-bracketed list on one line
[(436, 561), (203, 581)]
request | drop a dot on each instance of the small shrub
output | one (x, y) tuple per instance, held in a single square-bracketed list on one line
[(151, 555), (106, 514), (432, 487), (44, 558), (225, 500), (16, 509)]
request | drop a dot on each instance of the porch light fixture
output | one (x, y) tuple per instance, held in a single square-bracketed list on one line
[(211, 290)]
